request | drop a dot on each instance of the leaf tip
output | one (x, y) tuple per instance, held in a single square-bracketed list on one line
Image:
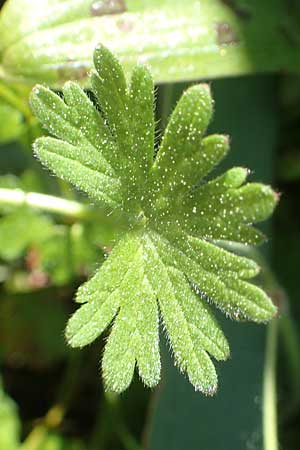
[(266, 312), (227, 139), (33, 96), (37, 88), (206, 86), (272, 197), (235, 177), (272, 311), (69, 85), (208, 390), (102, 53), (36, 146)]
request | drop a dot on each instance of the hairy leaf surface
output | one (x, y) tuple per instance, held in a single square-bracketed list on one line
[(168, 266)]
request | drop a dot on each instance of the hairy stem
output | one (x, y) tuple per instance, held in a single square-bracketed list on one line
[(269, 389)]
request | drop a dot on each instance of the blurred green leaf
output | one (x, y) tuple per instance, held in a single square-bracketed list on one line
[(55, 256), (11, 125), (55, 441), (53, 41), (21, 229), (33, 180), (69, 252), (57, 252), (9, 181), (9, 422)]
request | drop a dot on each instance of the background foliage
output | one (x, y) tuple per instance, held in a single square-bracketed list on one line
[(50, 397)]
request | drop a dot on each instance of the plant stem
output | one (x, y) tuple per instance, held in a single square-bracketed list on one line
[(43, 202), (291, 344), (269, 389)]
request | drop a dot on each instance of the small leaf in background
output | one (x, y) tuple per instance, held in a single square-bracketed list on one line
[(169, 256)]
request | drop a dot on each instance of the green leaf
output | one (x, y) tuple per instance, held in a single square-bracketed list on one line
[(52, 41), (169, 261)]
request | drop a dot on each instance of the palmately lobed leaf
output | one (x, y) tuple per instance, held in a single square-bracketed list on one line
[(169, 263)]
